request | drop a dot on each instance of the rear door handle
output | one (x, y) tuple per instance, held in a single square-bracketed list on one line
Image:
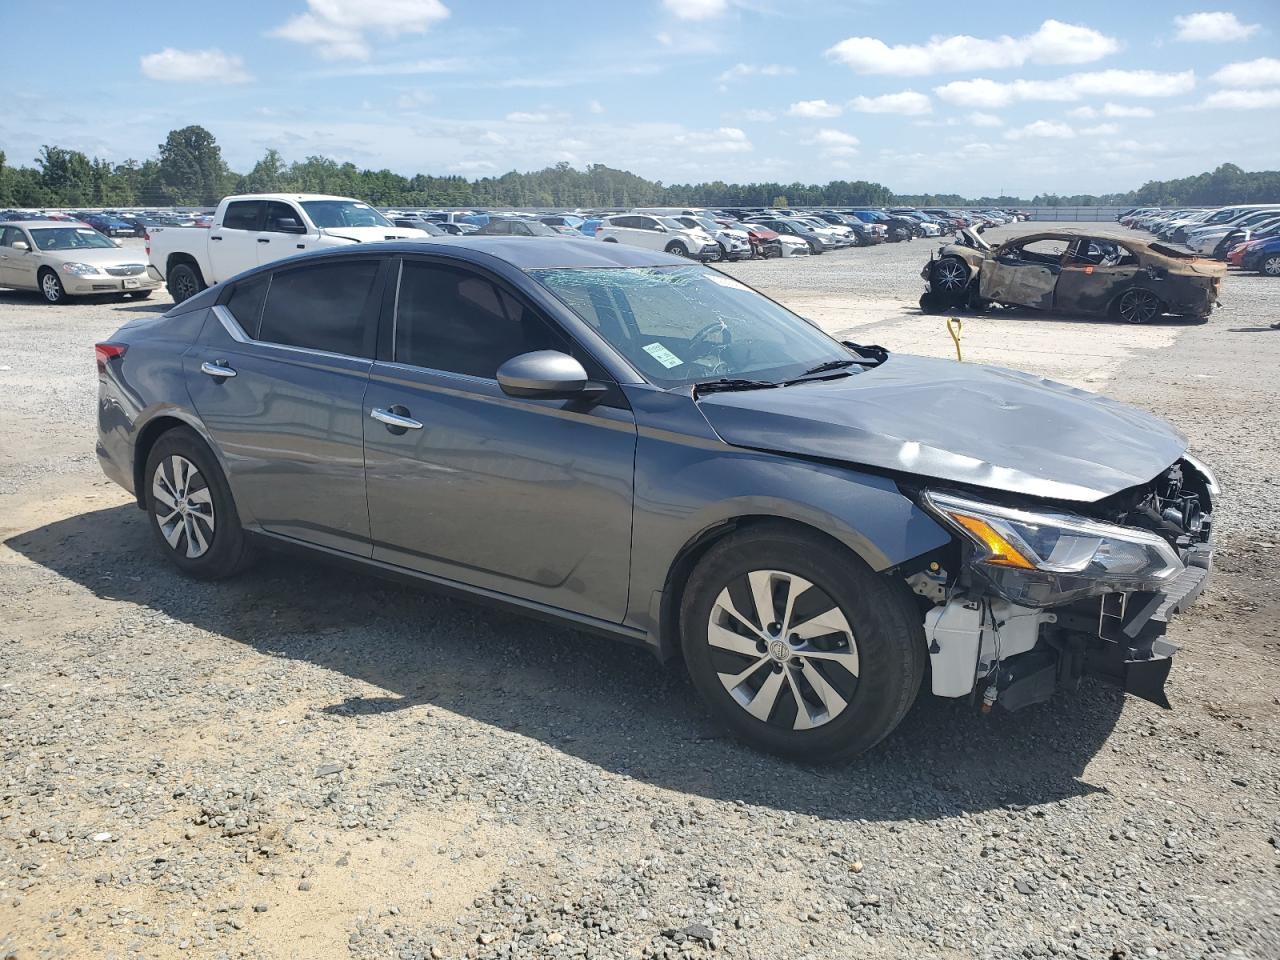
[(219, 371), (395, 421), (264, 239)]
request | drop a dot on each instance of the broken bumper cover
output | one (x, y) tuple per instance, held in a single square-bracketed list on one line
[(1133, 653)]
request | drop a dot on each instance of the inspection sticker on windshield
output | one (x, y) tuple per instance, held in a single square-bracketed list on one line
[(662, 355)]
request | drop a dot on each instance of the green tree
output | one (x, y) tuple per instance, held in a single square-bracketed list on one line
[(66, 175), (267, 175), (192, 170)]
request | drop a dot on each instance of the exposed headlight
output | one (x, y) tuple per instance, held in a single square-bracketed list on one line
[(80, 269), (1040, 558)]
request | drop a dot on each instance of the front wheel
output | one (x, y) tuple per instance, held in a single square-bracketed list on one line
[(677, 249), (1271, 265), (1137, 306), (193, 516), (799, 647), (51, 287)]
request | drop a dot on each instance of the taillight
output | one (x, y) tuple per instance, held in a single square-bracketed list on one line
[(105, 352)]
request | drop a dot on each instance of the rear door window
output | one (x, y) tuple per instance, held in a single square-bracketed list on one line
[(325, 306), (245, 302), (242, 215)]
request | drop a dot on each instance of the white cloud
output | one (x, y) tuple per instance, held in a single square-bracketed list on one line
[(1242, 99), (1263, 72), (1084, 113), (195, 66), (407, 68), (1101, 130), (1216, 27), (338, 27), (989, 94), (814, 109), (412, 99), (835, 143), (720, 140), (740, 71), (908, 103), (595, 106), (1043, 129), (1119, 110), (979, 119), (1053, 42), (696, 9), (519, 116)]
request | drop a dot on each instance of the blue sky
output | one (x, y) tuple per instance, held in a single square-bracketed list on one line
[(972, 98)]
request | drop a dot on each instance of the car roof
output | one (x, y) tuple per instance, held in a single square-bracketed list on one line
[(38, 223), (523, 253)]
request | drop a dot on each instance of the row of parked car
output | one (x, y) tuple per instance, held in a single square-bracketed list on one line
[(716, 234), (1246, 236), (112, 223)]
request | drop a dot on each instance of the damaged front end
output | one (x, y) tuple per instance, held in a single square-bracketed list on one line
[(1033, 597)]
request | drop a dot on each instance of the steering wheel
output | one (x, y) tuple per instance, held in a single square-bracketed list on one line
[(710, 328)]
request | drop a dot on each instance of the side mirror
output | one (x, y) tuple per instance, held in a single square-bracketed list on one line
[(22, 245), (289, 225), (662, 228), (545, 375)]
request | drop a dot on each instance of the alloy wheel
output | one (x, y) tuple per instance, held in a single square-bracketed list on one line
[(1271, 266), (1138, 306), (51, 287), (185, 282), (783, 649), (183, 506), (950, 275)]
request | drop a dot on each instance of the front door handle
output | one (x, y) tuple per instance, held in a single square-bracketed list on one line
[(215, 238), (394, 420), (219, 371), (264, 239)]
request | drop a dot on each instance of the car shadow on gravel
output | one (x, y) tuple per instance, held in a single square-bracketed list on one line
[(606, 703)]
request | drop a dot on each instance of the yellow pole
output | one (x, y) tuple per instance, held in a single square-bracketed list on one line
[(955, 333)]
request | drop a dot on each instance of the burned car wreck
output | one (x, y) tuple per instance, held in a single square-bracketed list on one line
[(1072, 271)]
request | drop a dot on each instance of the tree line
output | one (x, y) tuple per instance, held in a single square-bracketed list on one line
[(189, 170)]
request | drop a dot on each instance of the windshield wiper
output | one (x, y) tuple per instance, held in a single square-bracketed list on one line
[(829, 365), (725, 384)]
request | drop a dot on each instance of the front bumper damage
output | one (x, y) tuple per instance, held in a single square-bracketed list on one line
[(986, 645)]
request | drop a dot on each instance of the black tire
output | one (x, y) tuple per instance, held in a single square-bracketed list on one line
[(142, 294), (227, 549), (931, 302), (888, 641), (1270, 266), (184, 282), (950, 279), (675, 248), (610, 239), (51, 287), (1136, 305)]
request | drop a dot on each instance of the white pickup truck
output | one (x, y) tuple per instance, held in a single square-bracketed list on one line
[(259, 228)]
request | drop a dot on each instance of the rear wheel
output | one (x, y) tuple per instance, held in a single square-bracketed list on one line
[(184, 282), (192, 514), (51, 287), (1137, 306), (1271, 265), (797, 646)]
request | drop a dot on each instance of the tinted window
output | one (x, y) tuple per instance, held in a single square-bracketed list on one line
[(242, 215), (453, 320), (245, 303), (278, 213), (322, 307), (11, 235)]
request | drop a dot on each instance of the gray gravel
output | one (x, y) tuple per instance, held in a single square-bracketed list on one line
[(304, 762)]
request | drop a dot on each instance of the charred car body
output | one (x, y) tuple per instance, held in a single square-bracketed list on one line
[(1072, 271)]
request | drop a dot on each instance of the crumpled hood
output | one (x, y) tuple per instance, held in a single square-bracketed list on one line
[(373, 234), (961, 422)]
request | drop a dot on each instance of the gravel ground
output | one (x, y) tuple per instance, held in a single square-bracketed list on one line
[(309, 763)]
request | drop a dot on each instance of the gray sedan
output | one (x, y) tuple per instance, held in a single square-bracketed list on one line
[(650, 450), (62, 259)]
